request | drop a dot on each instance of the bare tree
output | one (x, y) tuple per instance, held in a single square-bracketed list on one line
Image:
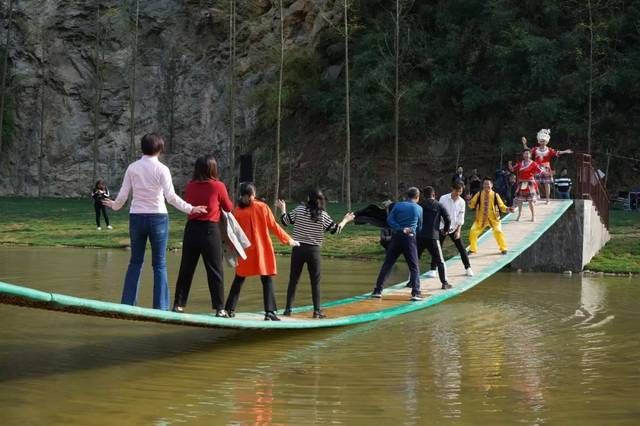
[(99, 57), (232, 95), (589, 120), (347, 104), (5, 63), (279, 119), (43, 93), (132, 85)]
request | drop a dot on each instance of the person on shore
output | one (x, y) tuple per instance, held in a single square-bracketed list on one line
[(474, 182), (543, 154), (100, 192), (405, 220), (459, 177), (513, 190), (433, 213), (526, 170), (455, 206), (149, 182), (563, 185), (488, 206), (202, 235), (257, 221), (310, 222)]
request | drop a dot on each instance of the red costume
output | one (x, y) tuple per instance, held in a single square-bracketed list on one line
[(527, 185), (543, 157)]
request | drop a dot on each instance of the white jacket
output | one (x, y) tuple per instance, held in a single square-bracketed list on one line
[(456, 210), (235, 238)]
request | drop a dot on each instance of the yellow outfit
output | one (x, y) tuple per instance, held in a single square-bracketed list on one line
[(486, 215)]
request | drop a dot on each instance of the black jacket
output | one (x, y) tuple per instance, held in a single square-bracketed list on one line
[(432, 213), (372, 215)]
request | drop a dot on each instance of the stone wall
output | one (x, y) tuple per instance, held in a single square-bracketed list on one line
[(569, 244)]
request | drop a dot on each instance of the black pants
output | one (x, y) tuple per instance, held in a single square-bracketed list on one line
[(310, 255), (463, 252), (201, 239), (406, 245), (268, 294), (99, 208), (433, 246)]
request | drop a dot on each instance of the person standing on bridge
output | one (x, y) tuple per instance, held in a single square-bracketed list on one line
[(455, 206), (429, 235), (543, 154), (488, 206), (310, 222), (526, 170), (405, 220), (257, 222)]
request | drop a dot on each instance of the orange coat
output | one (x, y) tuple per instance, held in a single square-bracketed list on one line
[(256, 221)]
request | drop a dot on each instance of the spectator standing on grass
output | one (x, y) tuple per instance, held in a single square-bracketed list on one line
[(100, 192)]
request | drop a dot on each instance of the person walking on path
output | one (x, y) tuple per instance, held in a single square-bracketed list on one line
[(487, 205), (563, 185), (100, 193), (405, 220), (455, 206), (148, 181), (526, 170), (310, 222), (202, 235), (433, 213), (257, 221), (543, 154)]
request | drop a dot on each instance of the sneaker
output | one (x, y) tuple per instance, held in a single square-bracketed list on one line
[(178, 309), (376, 294), (109, 227), (416, 298), (221, 313), (503, 252), (271, 316), (469, 272), (287, 312), (431, 274), (98, 229), (231, 314), (446, 286)]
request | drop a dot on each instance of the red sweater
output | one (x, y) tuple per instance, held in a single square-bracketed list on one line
[(210, 193)]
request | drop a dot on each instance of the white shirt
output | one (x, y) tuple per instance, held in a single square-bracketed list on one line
[(150, 182), (456, 210)]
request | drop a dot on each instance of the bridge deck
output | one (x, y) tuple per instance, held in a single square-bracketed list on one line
[(354, 310)]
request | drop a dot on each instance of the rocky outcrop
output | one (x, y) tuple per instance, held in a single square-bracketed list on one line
[(182, 87)]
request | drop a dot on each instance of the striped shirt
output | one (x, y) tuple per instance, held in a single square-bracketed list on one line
[(563, 183), (305, 229)]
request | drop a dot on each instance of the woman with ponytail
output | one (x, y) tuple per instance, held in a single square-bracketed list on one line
[(257, 221)]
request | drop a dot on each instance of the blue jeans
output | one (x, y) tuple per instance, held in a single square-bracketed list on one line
[(156, 228), (564, 195)]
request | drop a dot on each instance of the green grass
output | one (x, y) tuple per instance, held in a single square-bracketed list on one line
[(622, 253), (70, 222)]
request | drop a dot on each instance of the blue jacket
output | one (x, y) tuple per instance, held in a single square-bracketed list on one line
[(405, 214)]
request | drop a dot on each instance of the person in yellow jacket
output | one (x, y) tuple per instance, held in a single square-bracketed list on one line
[(486, 204)]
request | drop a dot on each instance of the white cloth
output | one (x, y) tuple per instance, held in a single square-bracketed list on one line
[(150, 183), (456, 210)]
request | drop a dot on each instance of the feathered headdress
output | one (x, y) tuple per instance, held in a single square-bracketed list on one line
[(544, 135)]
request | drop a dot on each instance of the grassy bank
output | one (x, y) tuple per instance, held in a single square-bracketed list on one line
[(70, 222)]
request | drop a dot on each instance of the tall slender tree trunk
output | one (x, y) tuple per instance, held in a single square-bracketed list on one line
[(5, 63), (276, 193), (97, 96), (396, 98), (43, 88), (290, 173), (347, 105), (132, 86), (589, 125), (232, 95)]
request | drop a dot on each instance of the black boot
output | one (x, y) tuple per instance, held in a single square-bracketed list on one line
[(271, 316), (319, 314)]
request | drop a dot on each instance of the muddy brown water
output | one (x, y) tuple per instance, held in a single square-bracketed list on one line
[(516, 349)]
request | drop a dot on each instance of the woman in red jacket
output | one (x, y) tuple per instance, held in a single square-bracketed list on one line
[(202, 234), (256, 220)]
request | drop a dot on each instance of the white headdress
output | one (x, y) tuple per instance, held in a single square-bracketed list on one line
[(544, 135)]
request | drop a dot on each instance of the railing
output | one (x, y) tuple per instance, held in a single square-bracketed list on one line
[(591, 187)]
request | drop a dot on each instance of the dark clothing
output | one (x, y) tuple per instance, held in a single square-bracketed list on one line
[(268, 295), (309, 254), (461, 250), (433, 246), (372, 215), (406, 245), (475, 184), (501, 184), (511, 196), (99, 208), (563, 185), (201, 239), (459, 179), (432, 214)]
